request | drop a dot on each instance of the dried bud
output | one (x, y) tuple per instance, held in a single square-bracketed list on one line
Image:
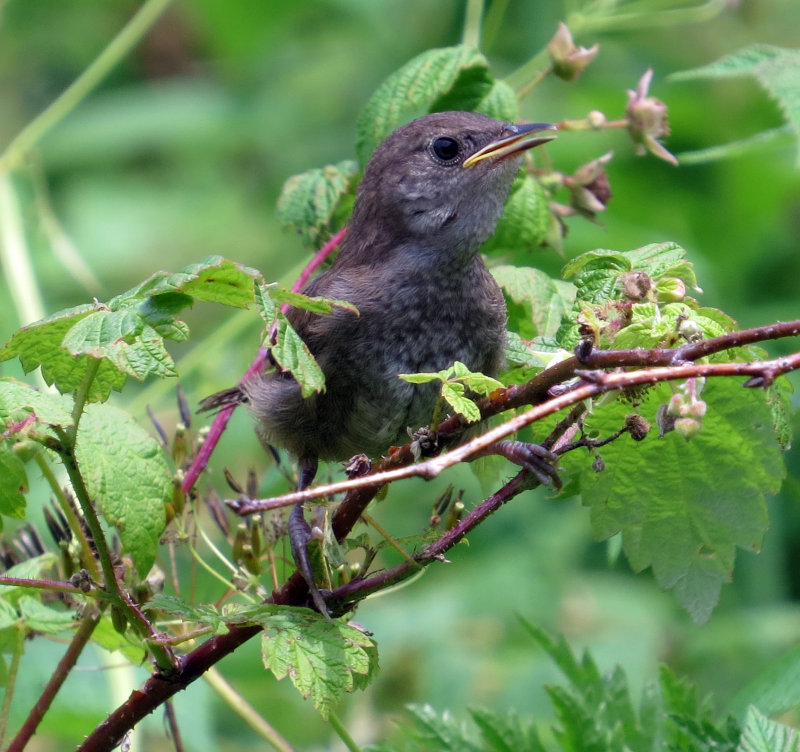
[(647, 120), (598, 464), (690, 330), (635, 285), (590, 190), (569, 60), (357, 466), (638, 427)]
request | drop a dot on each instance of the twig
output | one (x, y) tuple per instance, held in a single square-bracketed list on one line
[(601, 382), (57, 678)]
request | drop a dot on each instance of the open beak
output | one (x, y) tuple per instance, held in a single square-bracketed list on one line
[(508, 146)]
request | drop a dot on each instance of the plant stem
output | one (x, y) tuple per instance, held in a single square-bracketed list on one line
[(65, 665), (471, 37), (245, 711), (15, 258), (116, 50), (54, 585), (87, 557), (341, 732), (11, 680)]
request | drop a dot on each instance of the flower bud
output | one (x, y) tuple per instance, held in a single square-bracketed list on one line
[(567, 59)]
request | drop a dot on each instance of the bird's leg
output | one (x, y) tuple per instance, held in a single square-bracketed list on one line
[(300, 535), (534, 458)]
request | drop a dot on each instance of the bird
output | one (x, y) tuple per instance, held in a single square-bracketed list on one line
[(431, 195)]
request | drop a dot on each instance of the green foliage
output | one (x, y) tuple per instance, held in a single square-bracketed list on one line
[(288, 349), (595, 713), (683, 507), (450, 78), (128, 478), (309, 202), (776, 69), (456, 381), (126, 334), (323, 659)]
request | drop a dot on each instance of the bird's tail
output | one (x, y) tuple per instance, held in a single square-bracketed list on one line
[(226, 398)]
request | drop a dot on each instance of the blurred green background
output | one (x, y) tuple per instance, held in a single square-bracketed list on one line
[(181, 153)]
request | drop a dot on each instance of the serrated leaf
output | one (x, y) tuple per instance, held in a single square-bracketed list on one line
[(214, 279), (18, 399), (421, 378), (8, 617), (13, 485), (441, 732), (449, 78), (777, 70), (760, 734), (543, 300), (525, 222), (684, 507), (453, 394), (315, 304), (322, 658), (30, 569), (500, 103), (309, 201), (127, 477), (41, 618), (292, 354)]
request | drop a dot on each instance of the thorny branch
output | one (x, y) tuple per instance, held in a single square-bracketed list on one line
[(670, 365)]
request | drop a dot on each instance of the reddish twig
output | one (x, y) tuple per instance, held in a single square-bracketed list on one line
[(57, 678), (221, 419)]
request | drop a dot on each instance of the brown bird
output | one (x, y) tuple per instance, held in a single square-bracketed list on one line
[(431, 195)]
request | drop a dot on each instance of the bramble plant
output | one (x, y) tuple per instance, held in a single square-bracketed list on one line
[(616, 367)]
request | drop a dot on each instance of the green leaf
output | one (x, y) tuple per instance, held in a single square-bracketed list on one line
[(39, 345), (540, 300), (324, 659), (18, 400), (41, 618), (500, 103), (525, 223), (126, 334), (776, 69), (774, 691), (424, 378), (13, 484), (449, 78), (308, 202), (30, 569), (760, 734), (453, 394), (127, 478), (316, 304), (292, 354), (683, 508), (108, 638), (214, 279), (289, 350)]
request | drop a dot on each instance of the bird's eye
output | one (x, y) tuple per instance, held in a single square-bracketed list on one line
[(445, 149)]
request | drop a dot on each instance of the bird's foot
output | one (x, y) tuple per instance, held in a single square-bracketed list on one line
[(536, 459), (299, 537)]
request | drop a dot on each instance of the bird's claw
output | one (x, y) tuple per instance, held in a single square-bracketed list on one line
[(536, 459), (300, 535)]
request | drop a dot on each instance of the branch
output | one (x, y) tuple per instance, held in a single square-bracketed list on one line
[(158, 688), (535, 391), (62, 671)]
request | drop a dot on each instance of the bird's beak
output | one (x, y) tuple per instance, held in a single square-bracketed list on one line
[(508, 146)]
